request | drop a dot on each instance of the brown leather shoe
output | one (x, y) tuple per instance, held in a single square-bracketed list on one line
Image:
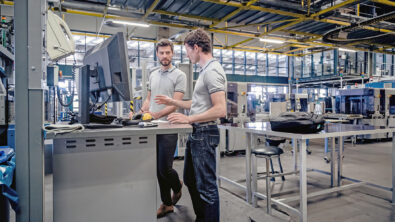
[(177, 196), (163, 210)]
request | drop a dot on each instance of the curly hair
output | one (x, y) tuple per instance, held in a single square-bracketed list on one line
[(200, 38), (163, 43)]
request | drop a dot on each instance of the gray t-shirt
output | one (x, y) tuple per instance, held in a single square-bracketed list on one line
[(165, 83), (211, 79)]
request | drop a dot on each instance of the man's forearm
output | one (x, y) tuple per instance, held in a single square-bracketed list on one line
[(145, 106), (182, 104), (166, 111), (212, 114)]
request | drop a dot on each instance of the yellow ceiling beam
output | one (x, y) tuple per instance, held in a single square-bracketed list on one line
[(333, 8), (242, 42), (271, 31), (337, 22), (296, 15), (230, 15), (216, 39), (253, 47), (243, 34), (172, 25), (255, 8), (302, 33), (150, 9), (185, 15), (90, 34), (309, 53), (94, 14), (385, 2), (210, 30), (258, 24), (298, 49)]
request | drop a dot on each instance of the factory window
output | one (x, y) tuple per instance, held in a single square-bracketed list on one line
[(234, 62), (297, 67), (282, 65), (389, 65), (317, 59), (147, 50), (250, 63), (322, 93), (272, 65), (217, 54), (347, 62), (227, 62), (361, 64), (380, 65), (328, 63), (261, 64), (307, 66), (177, 55), (239, 62)]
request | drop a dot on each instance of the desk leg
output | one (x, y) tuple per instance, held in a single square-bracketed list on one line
[(295, 153), (248, 167), (303, 181), (340, 163), (393, 168), (333, 162)]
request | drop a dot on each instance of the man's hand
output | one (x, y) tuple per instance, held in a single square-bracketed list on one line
[(154, 115), (161, 99), (178, 118)]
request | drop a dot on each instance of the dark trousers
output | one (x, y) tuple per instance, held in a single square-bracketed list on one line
[(200, 172), (167, 177)]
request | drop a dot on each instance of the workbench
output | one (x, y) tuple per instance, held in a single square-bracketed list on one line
[(107, 174), (336, 131)]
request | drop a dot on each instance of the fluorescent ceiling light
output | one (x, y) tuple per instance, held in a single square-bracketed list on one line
[(130, 23), (346, 50), (275, 41)]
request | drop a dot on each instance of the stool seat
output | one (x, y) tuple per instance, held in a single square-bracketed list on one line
[(275, 141), (267, 151)]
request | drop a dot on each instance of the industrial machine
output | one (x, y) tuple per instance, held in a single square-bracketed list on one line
[(299, 102), (273, 97), (6, 93), (390, 108), (242, 106), (3, 94), (368, 102)]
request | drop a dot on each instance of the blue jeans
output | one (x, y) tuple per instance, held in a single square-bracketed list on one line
[(200, 172)]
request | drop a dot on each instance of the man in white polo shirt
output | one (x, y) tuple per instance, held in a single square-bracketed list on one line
[(169, 81), (207, 105)]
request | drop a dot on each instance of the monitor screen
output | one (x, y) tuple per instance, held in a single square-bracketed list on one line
[(110, 79)]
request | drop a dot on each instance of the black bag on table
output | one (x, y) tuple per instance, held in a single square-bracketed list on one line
[(297, 122)]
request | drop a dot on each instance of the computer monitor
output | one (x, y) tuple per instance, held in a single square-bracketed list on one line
[(104, 76), (110, 63)]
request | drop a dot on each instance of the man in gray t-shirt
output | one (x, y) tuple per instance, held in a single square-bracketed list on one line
[(164, 82), (207, 105), (169, 81)]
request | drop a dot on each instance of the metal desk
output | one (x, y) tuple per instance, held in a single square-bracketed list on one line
[(335, 131), (107, 174)]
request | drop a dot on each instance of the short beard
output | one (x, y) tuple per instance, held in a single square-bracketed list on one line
[(163, 64)]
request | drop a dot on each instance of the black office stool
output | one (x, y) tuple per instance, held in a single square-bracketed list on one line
[(266, 152), (275, 142)]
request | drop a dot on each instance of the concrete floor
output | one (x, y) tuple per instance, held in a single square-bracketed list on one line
[(369, 162)]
